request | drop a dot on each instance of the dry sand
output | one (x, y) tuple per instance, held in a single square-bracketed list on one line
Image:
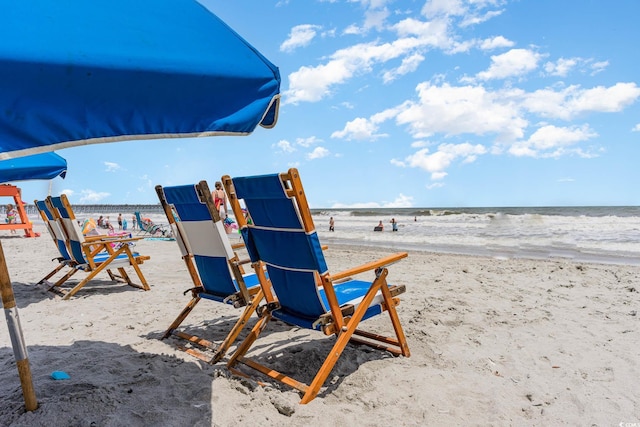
[(493, 342)]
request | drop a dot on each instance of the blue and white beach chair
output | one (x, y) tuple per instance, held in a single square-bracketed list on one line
[(93, 254), (64, 260), (215, 269), (283, 237)]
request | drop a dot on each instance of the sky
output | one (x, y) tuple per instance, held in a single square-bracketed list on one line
[(414, 103)]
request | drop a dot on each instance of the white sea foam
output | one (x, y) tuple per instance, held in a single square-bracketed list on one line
[(611, 239)]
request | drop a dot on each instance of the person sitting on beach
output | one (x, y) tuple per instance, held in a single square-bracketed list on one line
[(100, 221), (107, 224)]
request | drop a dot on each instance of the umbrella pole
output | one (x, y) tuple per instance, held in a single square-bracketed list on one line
[(17, 340)]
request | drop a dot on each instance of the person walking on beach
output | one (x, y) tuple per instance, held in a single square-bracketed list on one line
[(119, 221), (331, 223), (394, 225), (133, 222)]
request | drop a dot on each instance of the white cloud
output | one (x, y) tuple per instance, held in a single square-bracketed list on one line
[(454, 110), (515, 62), (90, 196), (401, 201), (374, 18), (311, 84), (299, 36), (597, 67), (409, 65), (318, 153), (359, 129), (111, 167), (495, 43), (308, 142), (68, 192), (561, 67), (573, 100), (553, 141), (636, 128), (433, 8), (436, 163), (284, 146)]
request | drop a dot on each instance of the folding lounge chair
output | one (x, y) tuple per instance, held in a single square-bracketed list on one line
[(149, 229), (283, 237), (214, 267), (64, 260), (93, 254)]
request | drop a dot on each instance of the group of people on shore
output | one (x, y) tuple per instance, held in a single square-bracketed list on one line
[(379, 227)]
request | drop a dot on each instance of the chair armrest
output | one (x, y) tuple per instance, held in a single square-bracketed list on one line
[(382, 262), (108, 239)]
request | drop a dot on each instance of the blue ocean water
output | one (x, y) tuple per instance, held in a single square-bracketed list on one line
[(596, 234), (607, 234)]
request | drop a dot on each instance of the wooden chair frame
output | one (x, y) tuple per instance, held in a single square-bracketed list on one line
[(92, 247)]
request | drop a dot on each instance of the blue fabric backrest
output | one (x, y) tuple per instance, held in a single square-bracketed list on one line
[(277, 237), (62, 247), (76, 246), (196, 223)]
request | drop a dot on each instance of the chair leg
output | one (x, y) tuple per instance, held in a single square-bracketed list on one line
[(65, 277), (136, 267), (83, 282), (249, 340), (237, 328), (51, 274), (395, 319), (92, 274), (183, 315), (344, 336)]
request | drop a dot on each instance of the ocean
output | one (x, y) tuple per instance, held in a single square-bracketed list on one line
[(603, 234), (584, 234)]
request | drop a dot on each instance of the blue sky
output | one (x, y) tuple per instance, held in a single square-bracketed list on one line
[(440, 103)]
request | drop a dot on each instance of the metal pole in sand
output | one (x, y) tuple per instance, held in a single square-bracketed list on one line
[(17, 340)]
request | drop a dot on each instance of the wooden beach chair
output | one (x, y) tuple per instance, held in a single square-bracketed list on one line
[(64, 260), (305, 295), (149, 229), (215, 269), (93, 254)]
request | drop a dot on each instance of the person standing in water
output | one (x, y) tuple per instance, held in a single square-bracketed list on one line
[(331, 224)]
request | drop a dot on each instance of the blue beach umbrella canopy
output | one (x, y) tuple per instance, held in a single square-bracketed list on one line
[(76, 72), (38, 166)]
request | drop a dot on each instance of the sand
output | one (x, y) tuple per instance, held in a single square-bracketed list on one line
[(493, 342)]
